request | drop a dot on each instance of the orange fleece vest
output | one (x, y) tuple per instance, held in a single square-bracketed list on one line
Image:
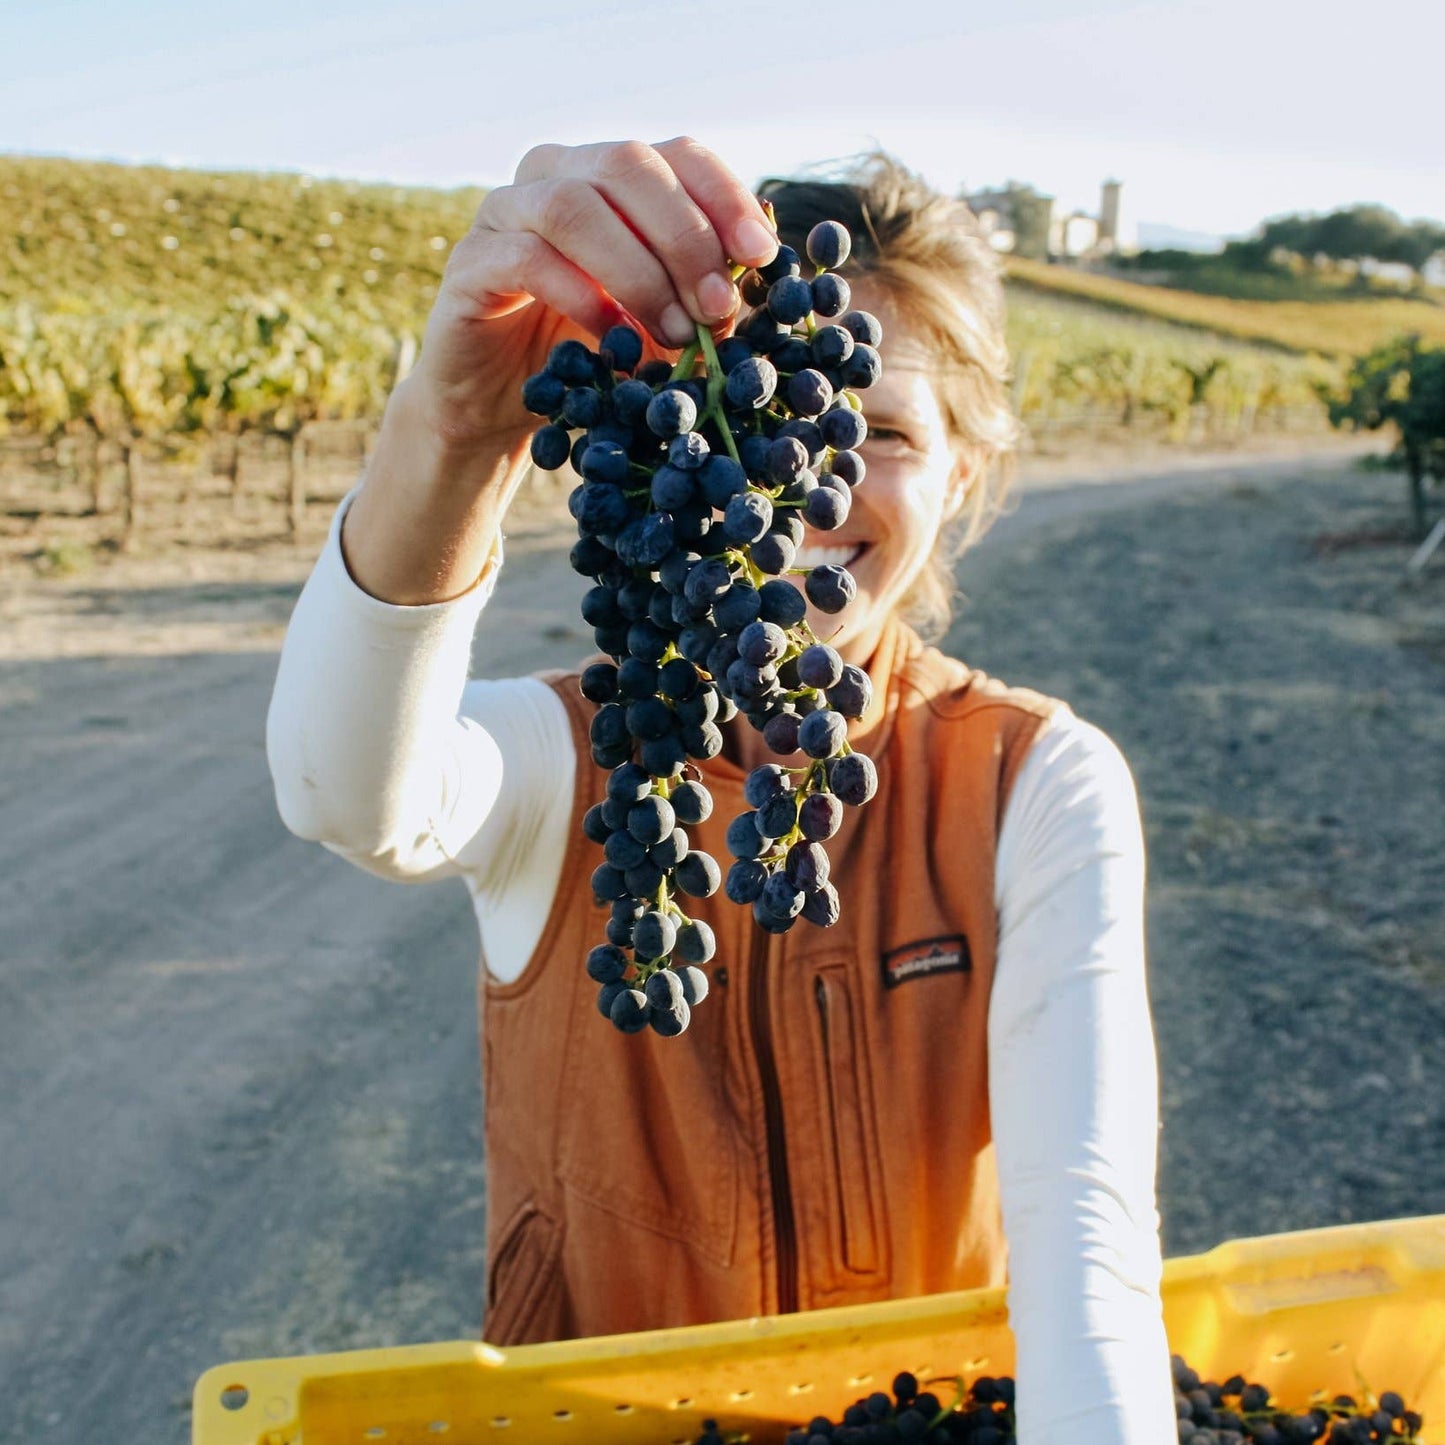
[(820, 1134)]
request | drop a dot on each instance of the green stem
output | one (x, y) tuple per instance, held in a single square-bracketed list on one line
[(716, 383), (685, 362)]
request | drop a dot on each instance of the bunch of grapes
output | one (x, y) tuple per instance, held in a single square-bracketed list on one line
[(1238, 1411), (699, 482)]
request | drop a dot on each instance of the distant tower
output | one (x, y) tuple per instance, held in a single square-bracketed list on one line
[(1109, 237)]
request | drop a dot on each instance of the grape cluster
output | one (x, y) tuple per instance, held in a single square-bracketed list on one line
[(1238, 1411), (699, 482)]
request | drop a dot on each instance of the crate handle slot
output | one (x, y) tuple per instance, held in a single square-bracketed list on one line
[(234, 1397)]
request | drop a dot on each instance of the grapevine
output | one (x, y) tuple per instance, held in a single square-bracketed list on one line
[(699, 482)]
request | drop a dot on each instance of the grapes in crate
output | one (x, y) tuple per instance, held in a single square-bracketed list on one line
[(1235, 1412), (699, 484)]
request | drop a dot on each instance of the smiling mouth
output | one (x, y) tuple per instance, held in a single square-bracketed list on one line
[(831, 556)]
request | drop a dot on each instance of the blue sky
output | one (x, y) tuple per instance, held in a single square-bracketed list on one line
[(1213, 114)]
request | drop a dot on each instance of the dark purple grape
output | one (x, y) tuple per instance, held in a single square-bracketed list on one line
[(629, 1010), (773, 553), (786, 263), (670, 1022), (606, 963), (781, 602), (863, 367), (743, 838), (843, 428), (572, 362), (849, 468), (765, 783), (670, 851), (790, 299), (594, 825), (821, 906), (694, 980), (787, 456), (820, 815), (778, 816), (822, 734), (663, 757), (853, 778), (780, 733), (752, 382), (607, 995), (829, 588), (598, 682), (831, 345), (623, 851), (620, 348), (738, 606), (551, 447), (863, 326), (829, 244), (781, 898), (746, 877), (819, 666), (652, 819), (608, 883), (831, 294), (671, 412), (544, 394), (806, 865), (695, 944), (746, 518), (699, 875), (826, 509), (809, 393), (691, 803), (583, 407), (852, 693)]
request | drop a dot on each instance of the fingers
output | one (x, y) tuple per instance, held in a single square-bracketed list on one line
[(730, 207), (519, 267), (576, 222), (655, 227)]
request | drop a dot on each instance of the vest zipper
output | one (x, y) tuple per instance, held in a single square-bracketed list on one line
[(784, 1226)]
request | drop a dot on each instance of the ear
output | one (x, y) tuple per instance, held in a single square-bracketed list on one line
[(966, 475)]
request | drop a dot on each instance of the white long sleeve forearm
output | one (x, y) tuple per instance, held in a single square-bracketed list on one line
[(383, 751)]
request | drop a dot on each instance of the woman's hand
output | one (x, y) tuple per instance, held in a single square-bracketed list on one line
[(583, 238)]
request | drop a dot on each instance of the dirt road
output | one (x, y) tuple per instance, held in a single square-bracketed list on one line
[(240, 1079)]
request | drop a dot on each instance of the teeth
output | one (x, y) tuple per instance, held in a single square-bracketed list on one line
[(827, 556)]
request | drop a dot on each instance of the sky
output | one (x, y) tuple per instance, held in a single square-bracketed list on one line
[(1213, 115)]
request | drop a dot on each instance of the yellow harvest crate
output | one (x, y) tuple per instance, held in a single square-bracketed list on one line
[(1314, 1309)]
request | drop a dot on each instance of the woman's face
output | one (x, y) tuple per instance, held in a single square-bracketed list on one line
[(913, 484)]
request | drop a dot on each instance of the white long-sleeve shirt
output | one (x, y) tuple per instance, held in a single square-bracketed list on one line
[(383, 751)]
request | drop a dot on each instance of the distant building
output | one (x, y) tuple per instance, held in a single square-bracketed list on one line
[(1019, 220), (1015, 218)]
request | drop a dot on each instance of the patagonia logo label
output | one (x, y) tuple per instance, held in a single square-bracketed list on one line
[(927, 956)]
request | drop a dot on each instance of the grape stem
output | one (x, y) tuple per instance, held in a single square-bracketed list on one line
[(716, 382)]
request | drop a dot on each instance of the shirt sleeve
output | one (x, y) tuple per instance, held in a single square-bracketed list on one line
[(1073, 1084), (381, 750)]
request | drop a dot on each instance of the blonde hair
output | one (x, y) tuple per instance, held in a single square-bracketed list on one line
[(926, 252)]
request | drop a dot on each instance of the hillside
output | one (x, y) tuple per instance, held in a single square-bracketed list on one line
[(171, 302), (1334, 328)]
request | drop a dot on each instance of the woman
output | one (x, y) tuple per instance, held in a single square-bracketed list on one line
[(954, 1085)]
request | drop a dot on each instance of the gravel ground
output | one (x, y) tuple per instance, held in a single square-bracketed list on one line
[(1281, 698), (240, 1077)]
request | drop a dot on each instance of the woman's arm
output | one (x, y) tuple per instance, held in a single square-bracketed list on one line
[(1074, 1091)]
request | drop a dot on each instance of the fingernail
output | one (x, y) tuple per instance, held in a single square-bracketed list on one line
[(715, 294), (677, 325), (755, 242)]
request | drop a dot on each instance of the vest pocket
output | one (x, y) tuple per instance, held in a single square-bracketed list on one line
[(846, 1125), (524, 1283)]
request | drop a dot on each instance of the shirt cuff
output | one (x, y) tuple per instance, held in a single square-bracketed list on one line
[(332, 564)]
